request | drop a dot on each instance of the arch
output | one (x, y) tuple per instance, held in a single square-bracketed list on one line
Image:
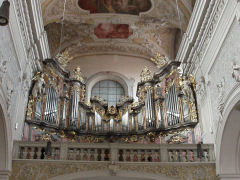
[(124, 81), (228, 137), (5, 139), (104, 174)]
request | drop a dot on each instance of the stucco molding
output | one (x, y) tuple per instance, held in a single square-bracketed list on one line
[(230, 101), (22, 33)]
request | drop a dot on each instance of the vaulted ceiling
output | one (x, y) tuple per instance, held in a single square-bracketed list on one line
[(126, 27)]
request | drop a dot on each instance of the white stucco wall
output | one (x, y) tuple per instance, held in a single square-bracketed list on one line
[(212, 57)]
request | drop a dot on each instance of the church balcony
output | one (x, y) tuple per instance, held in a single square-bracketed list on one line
[(114, 152)]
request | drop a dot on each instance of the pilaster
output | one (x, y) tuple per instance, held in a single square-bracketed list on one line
[(4, 174), (229, 176)]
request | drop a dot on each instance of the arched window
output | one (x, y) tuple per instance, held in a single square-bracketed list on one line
[(109, 90)]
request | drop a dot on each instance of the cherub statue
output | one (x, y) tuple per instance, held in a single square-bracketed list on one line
[(146, 75), (77, 74), (236, 71), (39, 86)]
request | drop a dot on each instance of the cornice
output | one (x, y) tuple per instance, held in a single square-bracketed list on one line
[(208, 28), (189, 54), (26, 33), (192, 31)]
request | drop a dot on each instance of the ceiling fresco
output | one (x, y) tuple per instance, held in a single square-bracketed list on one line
[(133, 7), (107, 30), (138, 28)]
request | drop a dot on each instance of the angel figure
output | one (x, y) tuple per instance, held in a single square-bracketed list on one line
[(39, 86), (201, 87)]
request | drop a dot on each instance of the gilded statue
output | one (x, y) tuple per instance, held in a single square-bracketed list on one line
[(77, 75), (146, 75), (39, 87)]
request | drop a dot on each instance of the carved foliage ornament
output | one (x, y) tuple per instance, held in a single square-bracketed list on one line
[(77, 75), (63, 58), (160, 60), (146, 75)]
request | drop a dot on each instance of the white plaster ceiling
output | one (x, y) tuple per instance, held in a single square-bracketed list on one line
[(158, 29)]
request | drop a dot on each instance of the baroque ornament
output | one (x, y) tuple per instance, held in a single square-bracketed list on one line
[(220, 106), (201, 87), (39, 86), (236, 71), (3, 69), (186, 88), (160, 60), (146, 75), (77, 75), (63, 58)]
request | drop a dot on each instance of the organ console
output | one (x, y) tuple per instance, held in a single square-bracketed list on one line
[(166, 103)]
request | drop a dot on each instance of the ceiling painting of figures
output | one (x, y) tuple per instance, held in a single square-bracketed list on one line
[(133, 7), (139, 28), (106, 30)]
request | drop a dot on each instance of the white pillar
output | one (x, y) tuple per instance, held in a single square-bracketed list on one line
[(4, 174)]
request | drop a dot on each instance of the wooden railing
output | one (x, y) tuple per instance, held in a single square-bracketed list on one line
[(114, 152)]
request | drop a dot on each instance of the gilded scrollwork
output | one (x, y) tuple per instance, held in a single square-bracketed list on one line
[(186, 89), (77, 75), (160, 60), (64, 58), (30, 108), (160, 107), (146, 75)]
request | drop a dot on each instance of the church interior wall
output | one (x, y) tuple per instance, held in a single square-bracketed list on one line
[(215, 67), (129, 67)]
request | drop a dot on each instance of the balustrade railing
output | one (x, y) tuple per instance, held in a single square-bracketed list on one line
[(114, 152)]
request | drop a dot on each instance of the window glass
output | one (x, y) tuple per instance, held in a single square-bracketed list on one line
[(109, 90)]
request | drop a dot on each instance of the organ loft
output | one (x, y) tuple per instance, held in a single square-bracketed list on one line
[(119, 90)]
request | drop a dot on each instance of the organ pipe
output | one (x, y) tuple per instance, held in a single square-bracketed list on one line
[(165, 110)]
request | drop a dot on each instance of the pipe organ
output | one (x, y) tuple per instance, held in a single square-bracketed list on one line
[(165, 103)]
